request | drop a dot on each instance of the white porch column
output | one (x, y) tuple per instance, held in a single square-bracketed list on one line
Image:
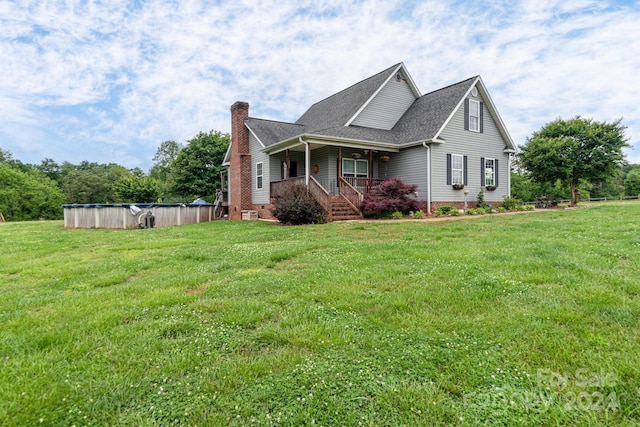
[(307, 163)]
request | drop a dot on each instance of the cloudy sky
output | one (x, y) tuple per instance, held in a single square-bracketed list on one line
[(108, 81)]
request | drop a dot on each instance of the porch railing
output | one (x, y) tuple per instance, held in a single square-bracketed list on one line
[(349, 192), (322, 196), (276, 187), (363, 185)]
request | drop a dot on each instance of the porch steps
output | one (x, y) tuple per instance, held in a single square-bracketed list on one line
[(341, 210)]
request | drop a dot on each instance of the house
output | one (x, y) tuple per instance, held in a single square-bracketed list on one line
[(451, 142)]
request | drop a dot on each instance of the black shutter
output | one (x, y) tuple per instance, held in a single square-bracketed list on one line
[(448, 169), (465, 170), (495, 172), (481, 117), (482, 171), (466, 114)]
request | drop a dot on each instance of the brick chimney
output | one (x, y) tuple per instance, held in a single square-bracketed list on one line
[(240, 162)]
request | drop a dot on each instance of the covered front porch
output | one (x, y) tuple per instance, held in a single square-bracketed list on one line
[(335, 175)]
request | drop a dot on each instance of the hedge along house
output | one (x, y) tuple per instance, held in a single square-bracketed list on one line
[(451, 142)]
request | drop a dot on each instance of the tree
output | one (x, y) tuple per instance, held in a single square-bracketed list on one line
[(574, 150), (137, 189), (28, 195), (393, 195), (161, 170), (196, 170), (632, 183), (91, 182), (165, 156)]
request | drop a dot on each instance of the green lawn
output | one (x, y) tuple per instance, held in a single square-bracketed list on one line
[(527, 319)]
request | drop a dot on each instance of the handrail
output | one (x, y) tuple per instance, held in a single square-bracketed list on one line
[(322, 196), (349, 192), (275, 187)]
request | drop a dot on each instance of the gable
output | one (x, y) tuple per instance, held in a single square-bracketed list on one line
[(388, 105), (339, 108)]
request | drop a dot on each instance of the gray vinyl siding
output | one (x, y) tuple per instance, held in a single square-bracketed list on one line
[(475, 146), (410, 165), (259, 195), (393, 100), (326, 168)]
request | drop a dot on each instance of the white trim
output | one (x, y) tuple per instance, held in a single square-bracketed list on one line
[(254, 134), (477, 127), (453, 180), (260, 182), (392, 76), (493, 169), (453, 112), (355, 167)]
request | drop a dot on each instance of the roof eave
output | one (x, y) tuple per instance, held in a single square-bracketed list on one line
[(329, 140)]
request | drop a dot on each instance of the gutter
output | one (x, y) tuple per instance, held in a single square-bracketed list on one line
[(428, 147)]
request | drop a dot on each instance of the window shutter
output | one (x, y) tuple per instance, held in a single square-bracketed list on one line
[(481, 117), (482, 171), (465, 170), (466, 114), (495, 172), (448, 169)]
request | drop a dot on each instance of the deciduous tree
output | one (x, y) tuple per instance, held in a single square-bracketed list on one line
[(196, 170), (574, 150)]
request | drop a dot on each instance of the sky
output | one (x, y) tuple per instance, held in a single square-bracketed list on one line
[(109, 81)]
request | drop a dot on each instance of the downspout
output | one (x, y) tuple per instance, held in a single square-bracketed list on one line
[(428, 147), (307, 161)]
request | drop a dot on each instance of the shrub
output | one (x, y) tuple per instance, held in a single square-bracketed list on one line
[(418, 215), (397, 215), (529, 207), (501, 209), (446, 210), (481, 203), (296, 206), (470, 211), (481, 211), (510, 203), (393, 195)]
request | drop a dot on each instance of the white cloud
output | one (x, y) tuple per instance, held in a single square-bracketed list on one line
[(109, 81)]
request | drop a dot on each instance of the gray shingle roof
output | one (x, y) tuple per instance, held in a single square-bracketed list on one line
[(427, 114), (337, 109), (270, 132), (421, 122)]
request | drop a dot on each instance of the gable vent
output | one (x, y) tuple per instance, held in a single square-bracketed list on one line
[(399, 77), (474, 91)]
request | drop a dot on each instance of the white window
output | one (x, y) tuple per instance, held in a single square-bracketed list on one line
[(457, 169), (259, 175), (355, 168), (474, 115), (489, 172)]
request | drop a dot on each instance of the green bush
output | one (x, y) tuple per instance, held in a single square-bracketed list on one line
[(501, 209), (470, 211), (418, 215), (481, 211), (510, 203), (397, 215), (296, 206), (446, 210), (481, 203), (529, 207)]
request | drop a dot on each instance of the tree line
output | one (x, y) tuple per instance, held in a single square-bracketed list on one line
[(565, 159), (180, 173)]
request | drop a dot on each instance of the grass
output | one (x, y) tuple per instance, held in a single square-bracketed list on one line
[(528, 319)]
